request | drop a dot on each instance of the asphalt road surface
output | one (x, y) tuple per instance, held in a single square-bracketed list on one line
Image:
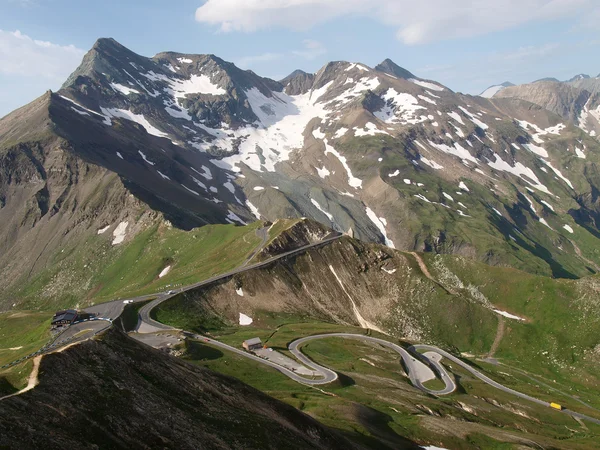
[(327, 375)]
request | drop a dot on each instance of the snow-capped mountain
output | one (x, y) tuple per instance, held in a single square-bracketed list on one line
[(380, 152), (493, 90)]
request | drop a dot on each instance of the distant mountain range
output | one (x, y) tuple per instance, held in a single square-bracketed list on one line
[(378, 152)]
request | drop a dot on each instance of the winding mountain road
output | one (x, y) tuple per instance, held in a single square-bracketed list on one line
[(408, 359), (147, 324), (112, 310)]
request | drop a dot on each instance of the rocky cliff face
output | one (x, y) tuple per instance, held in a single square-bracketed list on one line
[(561, 98), (114, 392)]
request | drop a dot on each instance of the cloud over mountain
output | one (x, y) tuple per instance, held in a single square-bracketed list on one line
[(23, 55), (416, 23)]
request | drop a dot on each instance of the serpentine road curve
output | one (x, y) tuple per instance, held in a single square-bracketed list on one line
[(408, 357)]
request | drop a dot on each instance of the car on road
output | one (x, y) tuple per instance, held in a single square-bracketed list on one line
[(170, 292)]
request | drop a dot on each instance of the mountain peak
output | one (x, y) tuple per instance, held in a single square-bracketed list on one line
[(551, 79), (391, 68), (298, 82), (581, 76), (104, 43)]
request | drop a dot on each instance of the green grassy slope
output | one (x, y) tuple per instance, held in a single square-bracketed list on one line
[(99, 271)]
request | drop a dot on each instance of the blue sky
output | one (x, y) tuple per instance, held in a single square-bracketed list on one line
[(465, 44)]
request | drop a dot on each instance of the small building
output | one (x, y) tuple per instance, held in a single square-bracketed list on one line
[(252, 344), (64, 318)]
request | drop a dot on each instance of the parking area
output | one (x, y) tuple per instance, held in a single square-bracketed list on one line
[(157, 340)]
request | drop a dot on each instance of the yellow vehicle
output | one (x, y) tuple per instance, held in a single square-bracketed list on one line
[(556, 406)]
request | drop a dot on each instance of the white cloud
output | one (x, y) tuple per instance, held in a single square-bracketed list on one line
[(311, 50), (249, 61), (21, 55), (415, 22)]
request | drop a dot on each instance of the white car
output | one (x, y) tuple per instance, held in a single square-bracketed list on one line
[(171, 292)]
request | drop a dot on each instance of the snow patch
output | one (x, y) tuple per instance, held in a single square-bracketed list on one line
[(232, 216), (137, 118), (525, 173), (428, 100), (119, 233), (380, 223), (143, 155), (282, 121), (190, 190), (163, 175), (103, 230), (323, 172), (320, 208), (448, 196), (456, 117), (253, 209), (474, 119), (456, 150), (559, 174), (123, 89), (164, 272), (427, 85), (370, 129), (245, 320), (509, 315), (400, 108), (352, 180), (431, 163), (568, 228), (543, 222), (340, 132)]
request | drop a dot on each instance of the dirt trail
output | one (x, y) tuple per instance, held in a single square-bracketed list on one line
[(263, 234), (425, 271), (499, 336), (33, 378), (422, 266)]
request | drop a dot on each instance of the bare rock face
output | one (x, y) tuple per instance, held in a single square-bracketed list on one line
[(563, 99), (117, 393), (303, 233)]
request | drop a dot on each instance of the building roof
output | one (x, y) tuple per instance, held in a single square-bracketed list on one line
[(253, 341), (68, 315)]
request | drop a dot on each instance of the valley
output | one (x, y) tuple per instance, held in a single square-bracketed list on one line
[(211, 339)]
